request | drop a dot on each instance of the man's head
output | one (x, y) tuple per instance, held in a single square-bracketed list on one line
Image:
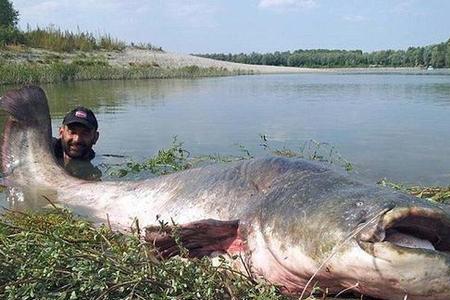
[(78, 133)]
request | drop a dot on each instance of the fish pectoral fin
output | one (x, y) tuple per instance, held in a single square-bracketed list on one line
[(199, 238)]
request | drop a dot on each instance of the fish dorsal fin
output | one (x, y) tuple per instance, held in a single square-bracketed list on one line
[(200, 238)]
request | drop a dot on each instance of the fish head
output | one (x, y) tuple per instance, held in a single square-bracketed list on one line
[(405, 253), (340, 234)]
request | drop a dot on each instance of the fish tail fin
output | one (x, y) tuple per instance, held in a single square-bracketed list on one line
[(27, 155)]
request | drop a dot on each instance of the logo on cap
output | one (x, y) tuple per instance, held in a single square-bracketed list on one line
[(81, 114)]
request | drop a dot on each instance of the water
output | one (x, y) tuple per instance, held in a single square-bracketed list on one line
[(386, 125)]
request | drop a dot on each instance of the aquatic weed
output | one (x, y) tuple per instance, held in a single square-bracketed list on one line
[(434, 193), (172, 159), (311, 150)]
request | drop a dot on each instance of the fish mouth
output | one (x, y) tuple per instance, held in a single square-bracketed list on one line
[(410, 228)]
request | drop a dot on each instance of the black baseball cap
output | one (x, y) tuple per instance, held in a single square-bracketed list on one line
[(83, 116)]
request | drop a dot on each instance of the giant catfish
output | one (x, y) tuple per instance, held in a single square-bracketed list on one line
[(294, 222)]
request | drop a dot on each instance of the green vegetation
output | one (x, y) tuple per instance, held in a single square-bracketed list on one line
[(437, 56), (172, 159), (8, 15), (53, 255), (433, 193), (9, 34), (175, 158), (26, 73), (55, 39), (312, 150), (146, 46)]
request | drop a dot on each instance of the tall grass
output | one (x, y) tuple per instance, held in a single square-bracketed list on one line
[(12, 73), (55, 39)]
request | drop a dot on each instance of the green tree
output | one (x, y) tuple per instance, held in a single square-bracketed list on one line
[(8, 15), (438, 56), (447, 56)]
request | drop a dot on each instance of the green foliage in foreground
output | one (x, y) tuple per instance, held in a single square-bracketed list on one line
[(12, 73), (54, 255)]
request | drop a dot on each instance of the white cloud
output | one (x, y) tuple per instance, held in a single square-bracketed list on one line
[(287, 4), (354, 19)]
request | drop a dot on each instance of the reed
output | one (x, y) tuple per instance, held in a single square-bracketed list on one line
[(27, 73), (55, 39)]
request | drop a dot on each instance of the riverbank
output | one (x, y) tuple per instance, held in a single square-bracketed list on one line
[(20, 65), (25, 66)]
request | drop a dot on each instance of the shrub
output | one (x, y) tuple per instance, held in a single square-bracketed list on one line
[(10, 35)]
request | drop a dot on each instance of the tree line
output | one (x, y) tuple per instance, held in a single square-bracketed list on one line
[(437, 56)]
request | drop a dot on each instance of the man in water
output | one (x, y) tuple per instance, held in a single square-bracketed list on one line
[(73, 149)]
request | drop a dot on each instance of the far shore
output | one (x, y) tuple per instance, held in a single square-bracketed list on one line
[(177, 60), (28, 65)]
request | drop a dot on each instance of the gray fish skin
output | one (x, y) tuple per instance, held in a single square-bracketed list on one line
[(291, 220)]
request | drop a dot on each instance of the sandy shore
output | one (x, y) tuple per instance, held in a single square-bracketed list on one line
[(176, 60)]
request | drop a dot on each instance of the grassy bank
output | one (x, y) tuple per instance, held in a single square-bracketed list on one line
[(52, 55), (26, 73), (54, 255)]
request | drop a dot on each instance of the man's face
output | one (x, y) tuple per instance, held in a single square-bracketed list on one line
[(77, 140)]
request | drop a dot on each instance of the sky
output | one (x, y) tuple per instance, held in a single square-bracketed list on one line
[(234, 26)]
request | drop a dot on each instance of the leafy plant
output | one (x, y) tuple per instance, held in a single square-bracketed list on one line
[(8, 15), (164, 162)]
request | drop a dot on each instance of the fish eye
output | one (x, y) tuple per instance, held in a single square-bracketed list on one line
[(359, 203)]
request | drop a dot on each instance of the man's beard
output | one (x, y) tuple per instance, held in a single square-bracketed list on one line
[(79, 153)]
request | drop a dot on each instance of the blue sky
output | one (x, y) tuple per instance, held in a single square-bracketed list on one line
[(205, 26)]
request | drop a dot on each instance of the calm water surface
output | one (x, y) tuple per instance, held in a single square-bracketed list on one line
[(386, 125)]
